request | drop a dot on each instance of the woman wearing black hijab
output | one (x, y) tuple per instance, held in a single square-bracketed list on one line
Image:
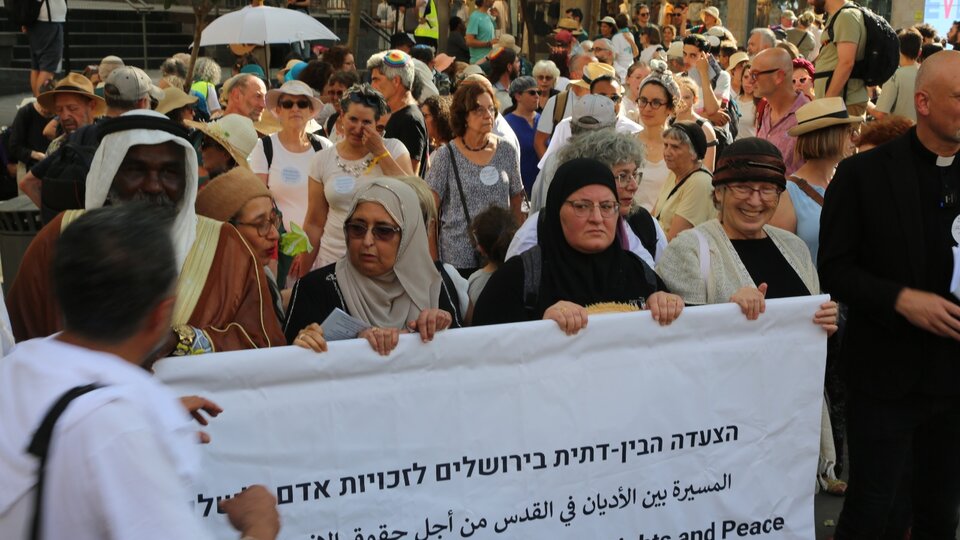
[(579, 261)]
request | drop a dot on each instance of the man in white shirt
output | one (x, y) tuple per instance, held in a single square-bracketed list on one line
[(123, 454), (601, 80)]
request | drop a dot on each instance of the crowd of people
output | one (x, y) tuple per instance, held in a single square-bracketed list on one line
[(646, 166)]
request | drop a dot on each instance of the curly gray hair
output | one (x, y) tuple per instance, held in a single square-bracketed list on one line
[(606, 146)]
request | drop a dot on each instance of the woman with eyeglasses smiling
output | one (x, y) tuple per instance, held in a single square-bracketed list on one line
[(336, 173), (580, 264), (739, 257), (387, 278)]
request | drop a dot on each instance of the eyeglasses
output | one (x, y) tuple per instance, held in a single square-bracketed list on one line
[(644, 13), (357, 230), (801, 80), (545, 77), (743, 191), (614, 98), (608, 209), (484, 111), (300, 103), (653, 103), (532, 92), (756, 74), (624, 179), (265, 226)]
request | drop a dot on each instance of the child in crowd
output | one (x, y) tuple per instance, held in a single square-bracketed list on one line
[(491, 232)]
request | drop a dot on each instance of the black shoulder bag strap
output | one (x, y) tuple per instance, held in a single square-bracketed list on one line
[(463, 199), (680, 184), (268, 150), (40, 446), (829, 31)]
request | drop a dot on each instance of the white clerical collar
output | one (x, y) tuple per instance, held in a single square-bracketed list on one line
[(945, 161)]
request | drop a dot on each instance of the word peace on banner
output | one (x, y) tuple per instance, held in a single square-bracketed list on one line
[(706, 429)]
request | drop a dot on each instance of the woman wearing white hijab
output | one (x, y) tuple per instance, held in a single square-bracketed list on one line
[(387, 277)]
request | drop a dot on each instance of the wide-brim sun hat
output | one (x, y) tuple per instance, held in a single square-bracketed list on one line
[(822, 113), (76, 84), (293, 88), (592, 72), (234, 132), (173, 99), (736, 59)]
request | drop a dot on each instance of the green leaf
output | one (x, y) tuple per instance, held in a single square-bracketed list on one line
[(295, 242)]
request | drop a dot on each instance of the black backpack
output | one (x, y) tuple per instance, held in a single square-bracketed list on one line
[(26, 12), (63, 186), (881, 52), (315, 141)]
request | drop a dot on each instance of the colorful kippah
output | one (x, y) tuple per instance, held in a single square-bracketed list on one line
[(396, 58)]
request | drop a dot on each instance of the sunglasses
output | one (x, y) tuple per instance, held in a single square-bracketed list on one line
[(801, 80), (532, 92), (300, 103), (357, 230)]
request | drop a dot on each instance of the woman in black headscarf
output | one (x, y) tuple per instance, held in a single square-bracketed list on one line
[(579, 265)]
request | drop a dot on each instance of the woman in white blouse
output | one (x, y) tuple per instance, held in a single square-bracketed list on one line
[(337, 172)]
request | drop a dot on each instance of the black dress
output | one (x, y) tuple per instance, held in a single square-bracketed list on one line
[(317, 294)]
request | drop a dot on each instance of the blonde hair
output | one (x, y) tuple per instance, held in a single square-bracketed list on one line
[(825, 143), (689, 84)]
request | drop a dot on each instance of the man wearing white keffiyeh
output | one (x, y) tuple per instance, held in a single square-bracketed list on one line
[(223, 302)]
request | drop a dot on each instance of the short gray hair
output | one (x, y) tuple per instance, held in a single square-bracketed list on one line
[(607, 146), (677, 134), (767, 34), (406, 73)]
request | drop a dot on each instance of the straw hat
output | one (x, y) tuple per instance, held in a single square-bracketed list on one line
[(293, 88), (736, 59), (234, 132), (75, 84), (567, 23), (594, 71), (713, 12), (173, 99), (822, 113), (268, 123)]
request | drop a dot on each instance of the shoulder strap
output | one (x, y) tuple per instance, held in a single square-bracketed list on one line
[(833, 19), (684, 179), (268, 149), (704, 251), (456, 175), (559, 107), (532, 271), (807, 188), (316, 142), (40, 446)]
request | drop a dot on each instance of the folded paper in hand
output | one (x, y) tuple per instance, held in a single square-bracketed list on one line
[(338, 325)]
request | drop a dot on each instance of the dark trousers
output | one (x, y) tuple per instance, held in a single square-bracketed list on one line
[(904, 467)]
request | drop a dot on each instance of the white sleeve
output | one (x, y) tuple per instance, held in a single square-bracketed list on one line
[(395, 147), (258, 159), (130, 480), (545, 125), (722, 91), (636, 246), (213, 102), (461, 284), (525, 237), (661, 240), (560, 137)]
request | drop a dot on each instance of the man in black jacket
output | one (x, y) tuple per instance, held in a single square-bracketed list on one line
[(890, 221)]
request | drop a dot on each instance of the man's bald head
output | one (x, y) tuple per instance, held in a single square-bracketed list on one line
[(774, 74), (774, 58), (937, 103)]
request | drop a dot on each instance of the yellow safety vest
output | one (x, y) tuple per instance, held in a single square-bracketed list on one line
[(430, 28)]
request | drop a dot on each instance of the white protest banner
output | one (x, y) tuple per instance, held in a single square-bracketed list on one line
[(707, 429)]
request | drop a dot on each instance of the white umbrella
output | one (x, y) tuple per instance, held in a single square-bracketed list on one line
[(261, 25)]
